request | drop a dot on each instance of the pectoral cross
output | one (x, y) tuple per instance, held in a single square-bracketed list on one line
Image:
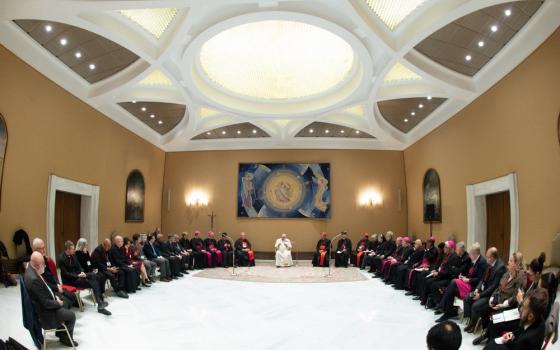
[(212, 216)]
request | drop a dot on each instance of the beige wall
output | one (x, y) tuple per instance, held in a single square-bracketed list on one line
[(52, 132), (511, 128), (351, 171)]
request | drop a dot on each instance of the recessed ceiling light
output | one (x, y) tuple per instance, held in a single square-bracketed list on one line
[(133, 101), (342, 131), (420, 106), (223, 132), (507, 12), (63, 41), (160, 122), (238, 132), (153, 20), (357, 131), (429, 97), (327, 131), (311, 131), (92, 66), (392, 13), (405, 120), (208, 133), (412, 113), (143, 109), (494, 28), (468, 57), (254, 131), (152, 116), (48, 27), (78, 54), (481, 43)]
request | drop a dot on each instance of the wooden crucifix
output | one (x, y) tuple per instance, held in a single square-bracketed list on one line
[(212, 216)]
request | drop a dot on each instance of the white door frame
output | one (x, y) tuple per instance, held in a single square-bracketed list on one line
[(476, 209), (89, 212)]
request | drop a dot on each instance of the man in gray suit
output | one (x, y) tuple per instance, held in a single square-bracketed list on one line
[(48, 307)]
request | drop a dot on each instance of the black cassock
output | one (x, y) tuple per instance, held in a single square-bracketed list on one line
[(118, 258), (325, 244), (210, 243), (224, 245), (243, 258), (199, 257), (343, 251)]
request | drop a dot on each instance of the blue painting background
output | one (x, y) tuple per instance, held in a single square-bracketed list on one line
[(251, 201)]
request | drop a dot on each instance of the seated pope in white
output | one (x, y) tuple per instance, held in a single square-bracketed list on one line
[(283, 251)]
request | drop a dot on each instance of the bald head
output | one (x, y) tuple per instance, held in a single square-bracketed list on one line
[(37, 262), (106, 244), (242, 235), (492, 255)]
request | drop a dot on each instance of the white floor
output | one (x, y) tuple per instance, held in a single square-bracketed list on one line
[(200, 313)]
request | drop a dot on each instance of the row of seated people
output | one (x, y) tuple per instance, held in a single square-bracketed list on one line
[(435, 276)]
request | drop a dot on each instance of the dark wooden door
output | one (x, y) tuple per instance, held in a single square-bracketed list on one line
[(66, 219), (498, 224)]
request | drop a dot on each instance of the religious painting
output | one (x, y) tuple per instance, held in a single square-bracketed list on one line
[(3, 146), (135, 188), (432, 197), (284, 190)]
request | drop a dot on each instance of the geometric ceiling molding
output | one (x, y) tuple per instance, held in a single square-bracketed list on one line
[(400, 73), (156, 79), (405, 113), (322, 129), (205, 112), (467, 44), (154, 21), (392, 12), (358, 110), (235, 131), (162, 117), (90, 55)]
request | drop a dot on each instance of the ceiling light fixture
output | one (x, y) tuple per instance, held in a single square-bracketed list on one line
[(238, 132), (133, 101), (254, 131), (405, 120), (143, 109), (357, 131), (276, 59), (507, 12), (494, 28), (223, 132), (481, 43), (342, 131), (78, 54), (155, 20), (429, 97), (160, 122), (63, 41), (420, 106), (392, 13), (468, 57), (327, 131), (208, 133), (311, 131), (152, 116), (412, 113), (48, 28), (91, 66)]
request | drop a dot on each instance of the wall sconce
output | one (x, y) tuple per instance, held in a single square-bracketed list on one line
[(196, 198), (370, 199)]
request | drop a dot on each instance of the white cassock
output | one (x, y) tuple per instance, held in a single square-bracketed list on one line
[(283, 252)]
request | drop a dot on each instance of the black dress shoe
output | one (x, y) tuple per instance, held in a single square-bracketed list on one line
[(122, 294), (469, 328), (104, 311), (443, 318), (438, 312), (416, 298), (480, 339), (409, 293)]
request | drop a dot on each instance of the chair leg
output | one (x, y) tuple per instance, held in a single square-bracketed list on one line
[(80, 302), (478, 326), (69, 337), (95, 302)]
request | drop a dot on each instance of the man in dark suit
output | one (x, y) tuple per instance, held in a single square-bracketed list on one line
[(467, 282), (343, 250), (48, 307), (117, 257), (165, 250), (73, 275), (69, 299), (101, 262), (530, 335), (385, 250), (481, 295)]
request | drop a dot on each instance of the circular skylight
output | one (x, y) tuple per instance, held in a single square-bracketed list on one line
[(276, 59)]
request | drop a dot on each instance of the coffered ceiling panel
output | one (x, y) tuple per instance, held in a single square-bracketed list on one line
[(159, 116), (254, 74), (91, 56), (470, 42), (405, 113)]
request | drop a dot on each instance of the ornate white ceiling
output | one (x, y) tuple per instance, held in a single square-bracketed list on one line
[(281, 67)]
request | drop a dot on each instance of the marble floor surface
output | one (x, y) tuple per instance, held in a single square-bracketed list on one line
[(201, 313)]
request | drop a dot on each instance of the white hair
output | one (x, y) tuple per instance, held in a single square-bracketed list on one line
[(81, 243), (36, 243)]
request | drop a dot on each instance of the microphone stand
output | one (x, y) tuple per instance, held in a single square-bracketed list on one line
[(330, 251), (232, 255)]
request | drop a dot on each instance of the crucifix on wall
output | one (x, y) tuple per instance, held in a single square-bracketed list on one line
[(212, 216)]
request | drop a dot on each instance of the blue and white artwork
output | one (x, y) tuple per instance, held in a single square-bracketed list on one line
[(284, 190)]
